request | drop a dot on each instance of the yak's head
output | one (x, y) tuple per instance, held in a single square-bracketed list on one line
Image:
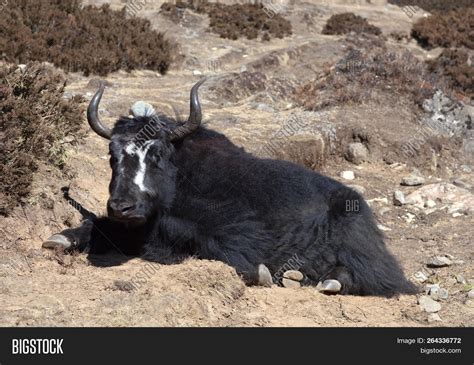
[(141, 157)]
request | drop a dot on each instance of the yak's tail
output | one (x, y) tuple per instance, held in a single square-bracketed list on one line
[(362, 251)]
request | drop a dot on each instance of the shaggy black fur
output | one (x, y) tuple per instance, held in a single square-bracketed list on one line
[(211, 199)]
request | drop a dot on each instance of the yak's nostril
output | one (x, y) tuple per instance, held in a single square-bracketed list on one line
[(127, 208), (119, 208)]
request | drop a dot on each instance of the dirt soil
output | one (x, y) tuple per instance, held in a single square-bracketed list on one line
[(249, 96)]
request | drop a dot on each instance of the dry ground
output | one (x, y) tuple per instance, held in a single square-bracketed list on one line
[(44, 288)]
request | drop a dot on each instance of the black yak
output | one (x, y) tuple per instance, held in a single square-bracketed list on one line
[(181, 188)]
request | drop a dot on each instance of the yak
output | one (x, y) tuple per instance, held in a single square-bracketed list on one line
[(179, 188)]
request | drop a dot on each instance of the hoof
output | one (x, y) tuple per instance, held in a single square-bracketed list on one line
[(57, 240), (329, 286), (264, 276)]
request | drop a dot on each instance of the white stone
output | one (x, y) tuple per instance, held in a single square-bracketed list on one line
[(429, 305), (347, 175)]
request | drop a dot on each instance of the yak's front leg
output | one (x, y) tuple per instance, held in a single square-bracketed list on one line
[(71, 238), (98, 236)]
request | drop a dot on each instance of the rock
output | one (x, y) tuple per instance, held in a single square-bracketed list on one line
[(142, 109), (22, 67), (357, 153), (293, 275), (384, 210), (469, 303), (409, 217), (413, 180), (430, 287), (455, 198), (383, 228), (434, 317), (357, 188), (415, 199), (197, 73), (430, 203), (288, 283), (347, 175), (398, 198), (470, 294), (460, 279), (466, 168), (420, 277), (439, 261), (264, 276), (439, 294), (429, 305)]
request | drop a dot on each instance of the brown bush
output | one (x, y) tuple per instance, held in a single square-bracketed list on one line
[(235, 21), (75, 38), (34, 118), (431, 5), (362, 74), (348, 22), (454, 28), (452, 66)]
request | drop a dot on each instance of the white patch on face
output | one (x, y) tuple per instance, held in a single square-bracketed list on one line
[(132, 149)]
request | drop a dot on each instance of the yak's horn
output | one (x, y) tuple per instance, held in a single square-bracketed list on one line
[(195, 116), (93, 114)]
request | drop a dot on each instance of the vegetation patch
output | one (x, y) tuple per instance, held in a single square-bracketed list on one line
[(454, 68), (76, 38), (34, 120), (349, 22), (235, 21), (453, 28), (362, 74)]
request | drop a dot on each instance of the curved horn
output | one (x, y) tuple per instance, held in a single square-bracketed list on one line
[(93, 114), (195, 116)]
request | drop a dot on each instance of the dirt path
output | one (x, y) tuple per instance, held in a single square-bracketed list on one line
[(43, 288)]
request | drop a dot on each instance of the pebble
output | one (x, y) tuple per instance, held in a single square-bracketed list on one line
[(357, 153), (420, 276), (439, 261), (430, 203), (347, 175), (288, 283), (357, 188), (409, 217), (293, 275), (383, 228), (197, 73), (470, 303), (434, 317), (439, 294), (398, 198), (413, 180), (470, 294), (428, 304), (460, 279)]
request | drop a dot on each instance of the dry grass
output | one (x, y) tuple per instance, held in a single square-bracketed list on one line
[(34, 118), (236, 20), (453, 28), (76, 38)]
